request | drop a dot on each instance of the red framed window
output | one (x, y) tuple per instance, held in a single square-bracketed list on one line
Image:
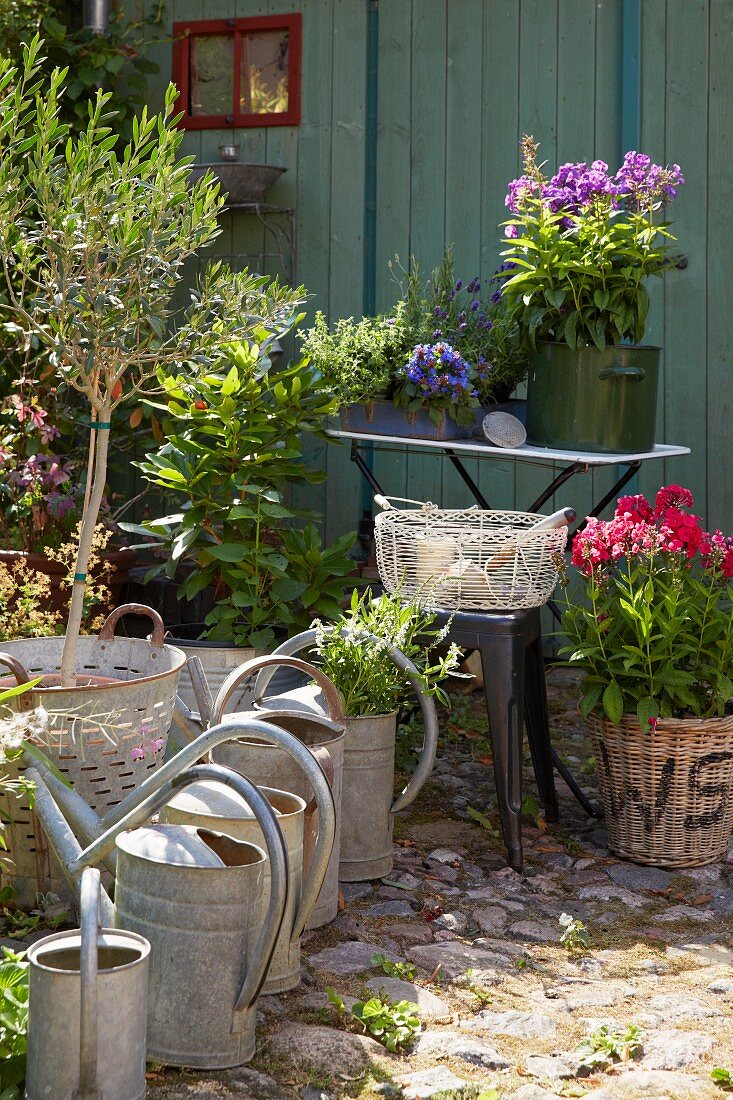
[(238, 72)]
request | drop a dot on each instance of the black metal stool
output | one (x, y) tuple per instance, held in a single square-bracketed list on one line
[(510, 645)]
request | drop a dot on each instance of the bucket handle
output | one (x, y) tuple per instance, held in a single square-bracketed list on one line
[(21, 677), (430, 716), (277, 659), (89, 961), (622, 370), (107, 632)]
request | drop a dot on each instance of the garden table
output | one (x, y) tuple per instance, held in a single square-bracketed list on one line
[(510, 642)]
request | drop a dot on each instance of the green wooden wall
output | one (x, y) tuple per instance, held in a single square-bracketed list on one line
[(459, 81)]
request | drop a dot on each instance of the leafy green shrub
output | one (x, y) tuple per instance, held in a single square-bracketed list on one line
[(13, 1023), (605, 1046), (392, 1025)]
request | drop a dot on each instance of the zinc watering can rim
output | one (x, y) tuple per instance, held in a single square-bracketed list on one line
[(126, 843), (106, 937), (236, 802)]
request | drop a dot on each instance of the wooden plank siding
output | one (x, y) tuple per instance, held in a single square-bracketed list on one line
[(459, 81)]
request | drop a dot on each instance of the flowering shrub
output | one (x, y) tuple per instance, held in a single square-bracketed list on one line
[(655, 636), (437, 376), (582, 243), (362, 670)]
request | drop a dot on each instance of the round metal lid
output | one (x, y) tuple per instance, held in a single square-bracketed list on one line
[(212, 799), (180, 845)]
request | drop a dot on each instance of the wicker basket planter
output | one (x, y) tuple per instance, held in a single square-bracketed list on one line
[(667, 793)]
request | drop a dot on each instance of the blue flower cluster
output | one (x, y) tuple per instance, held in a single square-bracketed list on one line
[(438, 370)]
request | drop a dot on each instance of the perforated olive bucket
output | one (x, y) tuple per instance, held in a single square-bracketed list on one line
[(106, 734), (593, 399)]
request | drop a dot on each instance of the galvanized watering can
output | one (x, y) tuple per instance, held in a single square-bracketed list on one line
[(87, 985), (321, 738), (197, 896), (211, 806), (367, 800)]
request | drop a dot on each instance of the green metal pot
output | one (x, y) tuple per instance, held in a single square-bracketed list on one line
[(593, 399)]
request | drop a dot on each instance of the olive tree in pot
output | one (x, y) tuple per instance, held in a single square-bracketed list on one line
[(93, 245), (232, 455)]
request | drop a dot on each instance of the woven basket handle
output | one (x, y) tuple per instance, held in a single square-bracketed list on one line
[(245, 671), (107, 632)]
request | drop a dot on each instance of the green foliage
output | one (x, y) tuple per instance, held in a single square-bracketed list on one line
[(574, 936), (722, 1077), (49, 913), (605, 1046), (355, 651), (482, 995), (13, 1023), (114, 61), (484, 821), (403, 970), (392, 1024), (358, 358), (233, 450)]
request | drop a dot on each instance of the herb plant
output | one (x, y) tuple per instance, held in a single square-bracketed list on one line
[(357, 359), (394, 1025), (581, 245), (233, 451), (354, 652), (406, 971), (605, 1046), (574, 935), (654, 634)]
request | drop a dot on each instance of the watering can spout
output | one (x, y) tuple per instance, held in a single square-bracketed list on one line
[(190, 722)]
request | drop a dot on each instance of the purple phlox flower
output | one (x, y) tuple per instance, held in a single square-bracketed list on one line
[(157, 744), (519, 190), (511, 231), (138, 753), (644, 184)]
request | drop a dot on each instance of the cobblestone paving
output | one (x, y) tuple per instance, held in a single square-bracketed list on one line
[(503, 1004)]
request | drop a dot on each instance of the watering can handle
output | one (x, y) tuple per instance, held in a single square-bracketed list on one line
[(107, 632), (427, 706), (89, 960), (21, 677), (310, 868), (274, 661)]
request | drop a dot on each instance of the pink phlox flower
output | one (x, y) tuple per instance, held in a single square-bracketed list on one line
[(138, 753), (157, 744), (672, 496), (636, 507)]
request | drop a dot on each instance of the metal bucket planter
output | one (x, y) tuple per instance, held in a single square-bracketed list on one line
[(106, 734), (381, 417), (593, 399), (268, 764), (212, 806), (86, 985), (368, 805)]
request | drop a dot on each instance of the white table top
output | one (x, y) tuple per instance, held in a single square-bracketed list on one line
[(470, 447)]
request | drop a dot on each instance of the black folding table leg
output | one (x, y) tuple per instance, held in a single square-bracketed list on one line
[(538, 729), (502, 658)]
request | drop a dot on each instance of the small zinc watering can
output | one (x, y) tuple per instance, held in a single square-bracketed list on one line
[(321, 738), (368, 804), (197, 896), (87, 985)]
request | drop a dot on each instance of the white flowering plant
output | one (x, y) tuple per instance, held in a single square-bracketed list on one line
[(354, 652)]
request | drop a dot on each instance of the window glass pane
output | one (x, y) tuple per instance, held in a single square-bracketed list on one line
[(264, 79), (212, 74)]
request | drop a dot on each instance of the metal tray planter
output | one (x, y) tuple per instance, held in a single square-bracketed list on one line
[(381, 417)]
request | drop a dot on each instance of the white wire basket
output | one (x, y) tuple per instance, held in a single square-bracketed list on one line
[(468, 558)]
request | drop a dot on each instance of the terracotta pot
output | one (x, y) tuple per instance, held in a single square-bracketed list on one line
[(121, 562)]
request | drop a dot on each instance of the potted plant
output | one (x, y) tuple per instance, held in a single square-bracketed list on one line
[(581, 245), (377, 654), (232, 454), (92, 245), (652, 633), (426, 369)]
